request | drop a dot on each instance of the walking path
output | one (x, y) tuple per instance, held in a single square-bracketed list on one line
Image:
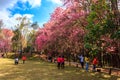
[(115, 71)]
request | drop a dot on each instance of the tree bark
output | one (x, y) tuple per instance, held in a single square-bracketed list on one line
[(114, 6)]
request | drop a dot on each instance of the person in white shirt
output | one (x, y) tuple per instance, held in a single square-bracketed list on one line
[(81, 60), (16, 60)]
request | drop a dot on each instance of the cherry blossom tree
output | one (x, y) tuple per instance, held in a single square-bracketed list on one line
[(5, 40), (65, 29)]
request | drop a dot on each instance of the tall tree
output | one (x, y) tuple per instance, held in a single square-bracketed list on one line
[(20, 33), (66, 26), (5, 40), (102, 28)]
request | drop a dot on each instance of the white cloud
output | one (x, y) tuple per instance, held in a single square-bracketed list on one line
[(5, 15), (56, 1), (10, 22), (4, 4), (33, 3)]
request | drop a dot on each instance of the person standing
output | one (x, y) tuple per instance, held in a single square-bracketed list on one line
[(16, 60), (59, 62), (86, 63), (24, 58), (81, 60), (94, 62)]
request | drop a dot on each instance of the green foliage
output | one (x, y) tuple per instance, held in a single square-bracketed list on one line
[(101, 22), (108, 26), (94, 51), (31, 38), (91, 17), (116, 35), (16, 35), (28, 49), (97, 26), (16, 39), (87, 46), (20, 33)]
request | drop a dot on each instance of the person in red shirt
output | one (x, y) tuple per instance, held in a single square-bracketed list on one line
[(24, 59), (62, 62), (94, 62), (59, 62)]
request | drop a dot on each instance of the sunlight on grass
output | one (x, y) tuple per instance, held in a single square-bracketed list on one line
[(106, 75), (45, 74), (82, 70), (77, 72), (67, 71), (19, 78), (93, 74), (4, 74), (40, 70), (60, 73), (5, 61)]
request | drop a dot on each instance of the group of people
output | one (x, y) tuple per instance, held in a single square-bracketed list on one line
[(86, 61), (83, 60), (23, 59), (60, 62)]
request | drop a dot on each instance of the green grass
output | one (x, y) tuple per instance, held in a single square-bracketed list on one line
[(39, 70)]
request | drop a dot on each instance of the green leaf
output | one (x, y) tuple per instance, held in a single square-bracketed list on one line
[(88, 46)]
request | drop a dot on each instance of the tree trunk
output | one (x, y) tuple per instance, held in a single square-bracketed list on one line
[(114, 6)]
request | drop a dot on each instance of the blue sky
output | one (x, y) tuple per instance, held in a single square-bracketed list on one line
[(35, 10)]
